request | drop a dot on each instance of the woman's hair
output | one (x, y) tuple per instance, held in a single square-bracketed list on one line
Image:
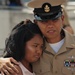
[(20, 34)]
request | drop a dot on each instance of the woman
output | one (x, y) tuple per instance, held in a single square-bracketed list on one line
[(25, 44)]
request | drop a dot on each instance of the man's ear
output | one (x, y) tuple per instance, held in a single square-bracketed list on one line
[(62, 17)]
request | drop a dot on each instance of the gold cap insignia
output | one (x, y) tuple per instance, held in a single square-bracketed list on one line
[(46, 8)]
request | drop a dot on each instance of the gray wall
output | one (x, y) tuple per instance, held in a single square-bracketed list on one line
[(8, 19)]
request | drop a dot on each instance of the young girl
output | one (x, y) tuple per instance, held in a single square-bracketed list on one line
[(25, 44)]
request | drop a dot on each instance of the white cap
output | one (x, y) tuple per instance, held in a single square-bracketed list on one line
[(39, 3)]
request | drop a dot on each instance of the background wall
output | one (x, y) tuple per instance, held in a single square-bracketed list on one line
[(9, 18)]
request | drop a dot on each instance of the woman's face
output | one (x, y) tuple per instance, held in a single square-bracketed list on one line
[(33, 49)]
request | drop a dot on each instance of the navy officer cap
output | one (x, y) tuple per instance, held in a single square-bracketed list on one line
[(46, 9)]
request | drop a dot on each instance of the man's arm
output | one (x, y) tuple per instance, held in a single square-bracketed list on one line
[(7, 66)]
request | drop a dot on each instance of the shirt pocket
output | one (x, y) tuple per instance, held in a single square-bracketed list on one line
[(42, 69), (68, 71), (45, 68)]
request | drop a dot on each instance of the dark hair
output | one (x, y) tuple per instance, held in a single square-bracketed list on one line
[(20, 34)]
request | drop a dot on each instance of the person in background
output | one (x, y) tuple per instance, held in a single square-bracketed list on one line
[(25, 44), (14, 3), (2, 2), (59, 56), (67, 26)]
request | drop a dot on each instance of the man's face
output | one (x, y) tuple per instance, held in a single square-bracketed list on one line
[(51, 28)]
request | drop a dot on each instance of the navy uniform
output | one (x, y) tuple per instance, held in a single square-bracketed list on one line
[(51, 63)]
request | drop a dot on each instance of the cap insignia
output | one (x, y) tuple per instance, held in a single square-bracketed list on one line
[(46, 8)]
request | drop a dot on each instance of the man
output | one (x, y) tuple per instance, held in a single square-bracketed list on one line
[(59, 56)]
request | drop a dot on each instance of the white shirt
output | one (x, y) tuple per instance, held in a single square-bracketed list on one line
[(24, 70), (57, 46)]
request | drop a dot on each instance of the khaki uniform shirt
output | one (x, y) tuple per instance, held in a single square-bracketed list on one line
[(61, 63)]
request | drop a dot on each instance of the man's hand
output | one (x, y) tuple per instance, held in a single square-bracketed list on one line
[(8, 66)]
